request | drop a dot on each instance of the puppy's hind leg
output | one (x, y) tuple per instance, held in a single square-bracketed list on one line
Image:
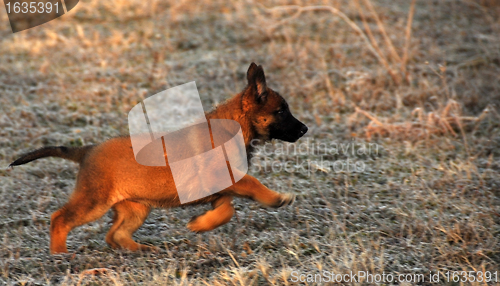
[(81, 209), (222, 213), (129, 216)]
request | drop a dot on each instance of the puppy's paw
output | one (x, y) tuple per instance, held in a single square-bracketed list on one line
[(149, 248), (196, 224), (285, 200)]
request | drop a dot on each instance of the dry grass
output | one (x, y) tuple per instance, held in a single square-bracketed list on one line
[(419, 78)]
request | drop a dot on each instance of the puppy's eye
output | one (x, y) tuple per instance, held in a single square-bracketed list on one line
[(281, 111)]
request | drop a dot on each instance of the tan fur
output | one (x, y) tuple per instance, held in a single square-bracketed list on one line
[(110, 177)]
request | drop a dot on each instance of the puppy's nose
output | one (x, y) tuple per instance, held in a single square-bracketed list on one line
[(303, 130)]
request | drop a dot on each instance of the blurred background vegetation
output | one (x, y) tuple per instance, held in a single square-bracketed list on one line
[(420, 78)]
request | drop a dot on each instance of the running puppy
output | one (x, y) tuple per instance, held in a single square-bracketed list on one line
[(110, 177)]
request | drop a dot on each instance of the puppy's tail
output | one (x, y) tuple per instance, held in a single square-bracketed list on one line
[(75, 154)]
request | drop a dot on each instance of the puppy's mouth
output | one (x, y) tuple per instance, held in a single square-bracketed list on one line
[(302, 131), (293, 137)]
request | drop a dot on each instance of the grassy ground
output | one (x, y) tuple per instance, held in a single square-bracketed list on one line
[(426, 200)]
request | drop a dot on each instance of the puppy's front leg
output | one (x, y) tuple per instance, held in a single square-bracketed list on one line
[(250, 187), (222, 213)]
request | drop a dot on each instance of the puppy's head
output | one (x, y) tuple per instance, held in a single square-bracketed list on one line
[(269, 112)]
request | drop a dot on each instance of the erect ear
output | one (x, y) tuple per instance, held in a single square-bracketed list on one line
[(251, 73), (257, 81)]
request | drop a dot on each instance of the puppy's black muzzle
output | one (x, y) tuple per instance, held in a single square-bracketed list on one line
[(295, 130), (303, 130)]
